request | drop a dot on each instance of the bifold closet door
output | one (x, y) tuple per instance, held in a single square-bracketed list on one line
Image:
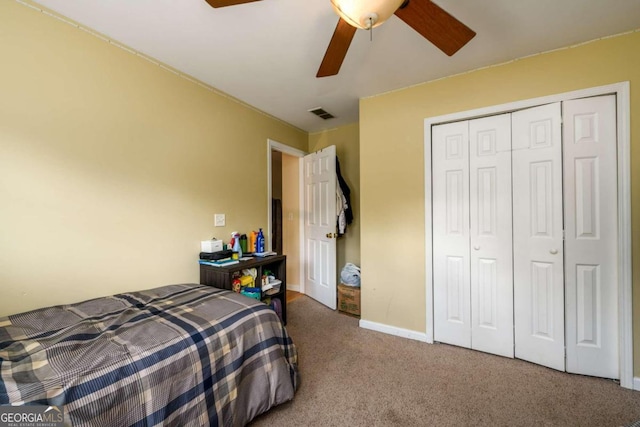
[(537, 236), (451, 276), (472, 243), (525, 226), (491, 235), (591, 218)]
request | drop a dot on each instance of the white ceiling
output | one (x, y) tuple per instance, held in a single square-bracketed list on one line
[(267, 53)]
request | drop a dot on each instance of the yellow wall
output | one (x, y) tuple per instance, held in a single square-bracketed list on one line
[(346, 139), (291, 217), (111, 168), (392, 163)]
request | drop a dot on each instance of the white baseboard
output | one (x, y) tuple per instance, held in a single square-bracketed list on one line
[(636, 383), (392, 330), (295, 288)]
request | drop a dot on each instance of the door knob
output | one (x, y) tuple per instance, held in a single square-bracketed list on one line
[(553, 251), (477, 248), (330, 235)]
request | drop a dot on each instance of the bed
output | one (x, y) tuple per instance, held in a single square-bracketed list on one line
[(182, 355)]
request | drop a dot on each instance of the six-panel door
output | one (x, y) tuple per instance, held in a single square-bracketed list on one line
[(556, 187), (538, 250)]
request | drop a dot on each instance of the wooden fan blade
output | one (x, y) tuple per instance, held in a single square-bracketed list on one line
[(224, 3), (337, 49), (436, 25)]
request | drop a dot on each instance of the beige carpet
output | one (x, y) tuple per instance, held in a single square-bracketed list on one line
[(356, 377)]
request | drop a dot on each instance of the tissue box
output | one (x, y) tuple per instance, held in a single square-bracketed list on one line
[(211, 246)]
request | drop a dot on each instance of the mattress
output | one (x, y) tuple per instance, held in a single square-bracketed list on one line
[(183, 355)]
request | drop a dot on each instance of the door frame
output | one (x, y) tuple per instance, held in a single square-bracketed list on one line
[(278, 146), (625, 303)]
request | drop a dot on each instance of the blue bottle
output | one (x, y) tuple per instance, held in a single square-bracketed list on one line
[(260, 242)]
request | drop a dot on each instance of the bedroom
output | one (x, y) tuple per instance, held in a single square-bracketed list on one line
[(109, 191)]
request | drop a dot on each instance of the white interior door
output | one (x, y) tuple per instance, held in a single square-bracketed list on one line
[(490, 235), (452, 308), (320, 226), (537, 236), (590, 188)]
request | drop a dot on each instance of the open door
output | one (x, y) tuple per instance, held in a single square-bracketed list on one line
[(320, 226), (287, 174)]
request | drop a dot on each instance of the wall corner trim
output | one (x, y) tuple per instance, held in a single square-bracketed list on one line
[(393, 330)]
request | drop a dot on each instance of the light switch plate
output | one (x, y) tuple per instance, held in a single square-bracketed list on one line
[(220, 220)]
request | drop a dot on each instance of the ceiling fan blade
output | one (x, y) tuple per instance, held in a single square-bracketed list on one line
[(337, 49), (436, 25), (224, 3)]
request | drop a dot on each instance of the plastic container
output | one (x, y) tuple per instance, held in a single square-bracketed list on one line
[(252, 241), (251, 293), (247, 281), (273, 287), (236, 245), (243, 243), (260, 242)]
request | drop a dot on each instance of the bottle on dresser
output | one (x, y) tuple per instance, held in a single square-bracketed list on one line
[(260, 242)]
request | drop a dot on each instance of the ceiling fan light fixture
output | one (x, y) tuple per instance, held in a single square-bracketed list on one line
[(365, 14)]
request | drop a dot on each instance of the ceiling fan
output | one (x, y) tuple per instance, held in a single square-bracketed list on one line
[(427, 18)]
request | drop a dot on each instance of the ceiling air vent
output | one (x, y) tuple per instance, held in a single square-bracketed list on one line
[(320, 112)]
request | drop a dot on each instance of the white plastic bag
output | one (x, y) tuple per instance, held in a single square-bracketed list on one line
[(350, 275)]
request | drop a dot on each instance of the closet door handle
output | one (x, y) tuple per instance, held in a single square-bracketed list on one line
[(553, 251), (477, 248)]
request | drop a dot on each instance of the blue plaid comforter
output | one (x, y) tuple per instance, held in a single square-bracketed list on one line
[(183, 355)]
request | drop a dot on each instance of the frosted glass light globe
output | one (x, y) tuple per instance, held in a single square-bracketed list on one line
[(365, 14)]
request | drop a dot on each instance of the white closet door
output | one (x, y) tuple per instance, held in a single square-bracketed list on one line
[(320, 226), (537, 236), (451, 298), (591, 215), (491, 240)]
